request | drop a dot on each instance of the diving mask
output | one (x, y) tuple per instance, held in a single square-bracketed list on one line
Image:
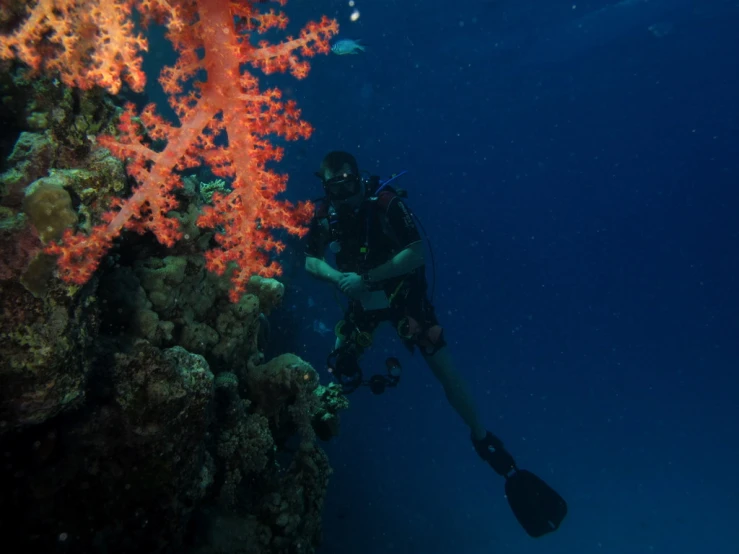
[(342, 186)]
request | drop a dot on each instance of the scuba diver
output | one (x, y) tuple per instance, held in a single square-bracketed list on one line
[(380, 267)]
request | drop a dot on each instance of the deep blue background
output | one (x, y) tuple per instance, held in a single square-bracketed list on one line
[(577, 176)]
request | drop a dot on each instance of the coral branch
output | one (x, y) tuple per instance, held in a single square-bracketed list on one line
[(87, 42), (228, 108)]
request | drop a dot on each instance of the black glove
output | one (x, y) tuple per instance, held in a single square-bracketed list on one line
[(491, 450)]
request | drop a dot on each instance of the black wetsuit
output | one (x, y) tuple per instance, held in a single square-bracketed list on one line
[(368, 237)]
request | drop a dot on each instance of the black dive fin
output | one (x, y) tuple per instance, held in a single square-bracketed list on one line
[(536, 505)]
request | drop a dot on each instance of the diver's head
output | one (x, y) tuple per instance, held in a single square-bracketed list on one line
[(342, 183)]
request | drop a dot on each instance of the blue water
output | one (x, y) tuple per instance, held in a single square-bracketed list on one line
[(581, 200), (577, 176)]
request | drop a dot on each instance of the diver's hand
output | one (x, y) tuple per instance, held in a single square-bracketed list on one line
[(352, 285)]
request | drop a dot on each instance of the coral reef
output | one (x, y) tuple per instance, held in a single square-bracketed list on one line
[(137, 410), (126, 471), (45, 345), (226, 122)]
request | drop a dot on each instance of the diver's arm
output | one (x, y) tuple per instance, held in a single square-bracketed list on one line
[(319, 269), (407, 260)]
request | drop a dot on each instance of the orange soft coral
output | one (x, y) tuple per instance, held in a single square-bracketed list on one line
[(225, 123), (86, 42)]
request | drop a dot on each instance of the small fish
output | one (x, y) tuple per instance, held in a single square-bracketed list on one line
[(660, 30), (347, 46), (320, 328)]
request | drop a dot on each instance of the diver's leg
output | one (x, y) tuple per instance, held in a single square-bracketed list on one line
[(488, 446), (455, 387)]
